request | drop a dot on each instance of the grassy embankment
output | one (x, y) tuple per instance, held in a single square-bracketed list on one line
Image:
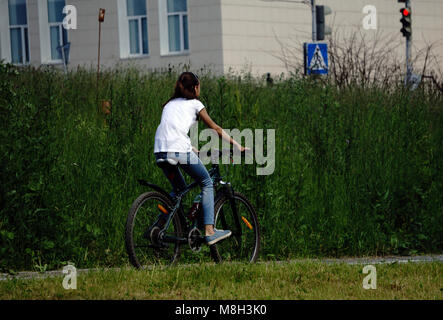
[(357, 170)]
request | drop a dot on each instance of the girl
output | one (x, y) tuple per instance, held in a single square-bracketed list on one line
[(173, 143)]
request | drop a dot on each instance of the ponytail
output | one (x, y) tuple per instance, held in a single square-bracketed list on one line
[(185, 87)]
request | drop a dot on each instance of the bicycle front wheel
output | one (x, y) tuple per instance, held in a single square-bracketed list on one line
[(238, 215), (144, 244)]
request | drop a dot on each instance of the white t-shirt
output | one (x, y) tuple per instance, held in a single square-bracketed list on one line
[(177, 118)]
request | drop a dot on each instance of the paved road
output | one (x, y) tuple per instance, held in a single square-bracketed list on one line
[(378, 260), (351, 261)]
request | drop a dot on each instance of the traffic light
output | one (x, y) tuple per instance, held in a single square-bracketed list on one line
[(322, 29), (406, 21)]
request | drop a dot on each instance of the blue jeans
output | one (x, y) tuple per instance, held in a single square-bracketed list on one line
[(193, 166)]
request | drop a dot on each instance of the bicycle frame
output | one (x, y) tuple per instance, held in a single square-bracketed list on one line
[(226, 188)]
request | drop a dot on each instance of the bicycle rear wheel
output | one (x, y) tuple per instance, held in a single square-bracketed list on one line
[(142, 233), (244, 243)]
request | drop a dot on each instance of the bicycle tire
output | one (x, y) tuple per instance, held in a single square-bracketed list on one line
[(149, 255), (244, 246)]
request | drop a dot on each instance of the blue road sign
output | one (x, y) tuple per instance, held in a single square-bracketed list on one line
[(316, 58)]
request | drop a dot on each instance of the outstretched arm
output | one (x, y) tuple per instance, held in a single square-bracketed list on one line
[(221, 133)]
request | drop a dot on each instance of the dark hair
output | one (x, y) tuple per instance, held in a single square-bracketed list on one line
[(185, 87)]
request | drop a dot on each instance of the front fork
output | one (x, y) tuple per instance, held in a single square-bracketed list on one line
[(229, 192)]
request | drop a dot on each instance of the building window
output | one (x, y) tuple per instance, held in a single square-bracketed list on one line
[(177, 12), (18, 31), (52, 34), (58, 35), (138, 27), (133, 28), (173, 25)]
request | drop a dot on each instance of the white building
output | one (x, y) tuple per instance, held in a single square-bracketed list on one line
[(222, 35)]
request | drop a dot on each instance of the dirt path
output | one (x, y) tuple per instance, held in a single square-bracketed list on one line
[(362, 261)]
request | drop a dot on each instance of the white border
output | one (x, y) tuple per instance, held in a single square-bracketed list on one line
[(164, 30), (45, 37), (5, 37), (123, 32), (5, 34)]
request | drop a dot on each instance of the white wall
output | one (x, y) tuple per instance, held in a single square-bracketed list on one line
[(204, 36), (5, 53), (254, 31), (233, 34), (205, 41)]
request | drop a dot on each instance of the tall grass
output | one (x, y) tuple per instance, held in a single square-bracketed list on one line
[(358, 172)]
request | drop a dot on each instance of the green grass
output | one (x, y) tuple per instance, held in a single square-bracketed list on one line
[(357, 171), (285, 281)]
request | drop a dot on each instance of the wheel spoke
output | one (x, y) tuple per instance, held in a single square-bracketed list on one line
[(141, 246), (142, 221), (223, 220), (237, 215)]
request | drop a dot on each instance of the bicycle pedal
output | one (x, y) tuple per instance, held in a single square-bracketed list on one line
[(195, 240)]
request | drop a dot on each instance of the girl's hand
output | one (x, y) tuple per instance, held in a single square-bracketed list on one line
[(243, 149), (195, 150)]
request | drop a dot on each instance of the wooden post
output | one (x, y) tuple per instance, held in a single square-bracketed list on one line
[(101, 18)]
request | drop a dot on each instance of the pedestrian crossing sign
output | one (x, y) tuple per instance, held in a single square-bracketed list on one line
[(316, 58)]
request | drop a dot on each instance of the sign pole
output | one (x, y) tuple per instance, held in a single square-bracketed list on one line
[(64, 59), (101, 18), (314, 21), (408, 50)]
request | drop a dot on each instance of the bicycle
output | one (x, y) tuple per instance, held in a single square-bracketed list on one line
[(148, 243)]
